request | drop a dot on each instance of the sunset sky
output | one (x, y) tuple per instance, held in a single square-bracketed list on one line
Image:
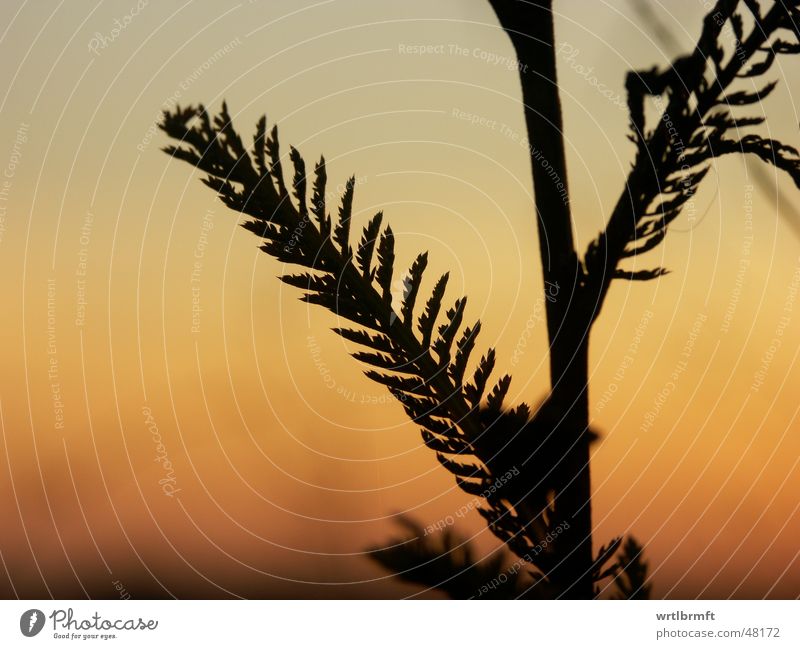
[(137, 313)]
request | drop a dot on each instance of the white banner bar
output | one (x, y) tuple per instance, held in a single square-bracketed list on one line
[(399, 624)]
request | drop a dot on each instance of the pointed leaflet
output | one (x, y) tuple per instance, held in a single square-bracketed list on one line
[(421, 409), (299, 181), (379, 342), (276, 168), (631, 581), (639, 275), (428, 319), (757, 69), (604, 555), (318, 198), (472, 488), (341, 234), (494, 403), (309, 282), (385, 264), (521, 414), (265, 230), (367, 245), (343, 307), (738, 28), (229, 137), (447, 332), (382, 361), (443, 444), (474, 391), (744, 98), (259, 142), (723, 120), (400, 383), (784, 47), (176, 125), (411, 286), (462, 470), (654, 238), (464, 348)]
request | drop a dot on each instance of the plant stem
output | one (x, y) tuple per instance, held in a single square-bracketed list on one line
[(530, 27)]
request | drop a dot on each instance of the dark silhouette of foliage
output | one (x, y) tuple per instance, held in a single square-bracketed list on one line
[(759, 174), (530, 468), (699, 121), (422, 364), (631, 579), (445, 561)]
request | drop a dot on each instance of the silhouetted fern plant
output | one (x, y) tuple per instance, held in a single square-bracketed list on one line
[(422, 356)]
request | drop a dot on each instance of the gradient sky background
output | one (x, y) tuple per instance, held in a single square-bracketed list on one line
[(287, 476)]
